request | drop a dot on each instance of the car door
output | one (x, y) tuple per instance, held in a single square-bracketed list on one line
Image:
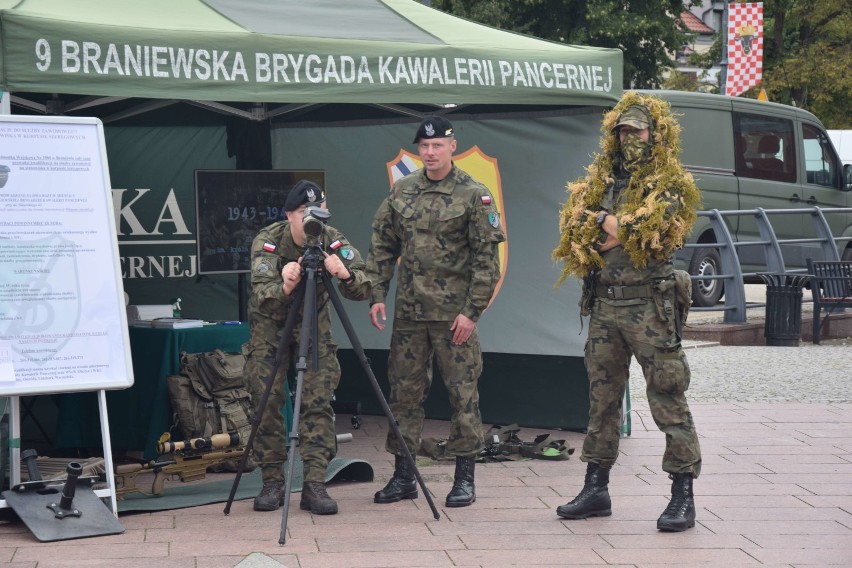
[(767, 170), (822, 184)]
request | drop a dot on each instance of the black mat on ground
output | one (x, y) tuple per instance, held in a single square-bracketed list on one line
[(178, 495)]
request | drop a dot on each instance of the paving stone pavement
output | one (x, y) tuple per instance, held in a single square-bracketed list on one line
[(775, 425), (807, 373)]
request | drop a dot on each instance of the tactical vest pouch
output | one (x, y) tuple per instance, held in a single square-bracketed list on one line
[(193, 410), (209, 396), (221, 372), (683, 293)]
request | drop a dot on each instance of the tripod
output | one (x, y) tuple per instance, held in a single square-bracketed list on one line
[(306, 295)]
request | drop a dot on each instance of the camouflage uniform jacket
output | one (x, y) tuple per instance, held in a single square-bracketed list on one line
[(273, 247), (618, 268), (446, 234)]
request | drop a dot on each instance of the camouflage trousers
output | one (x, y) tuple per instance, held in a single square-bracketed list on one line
[(317, 438), (616, 333), (414, 345)]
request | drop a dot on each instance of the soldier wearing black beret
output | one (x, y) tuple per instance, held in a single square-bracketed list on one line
[(276, 272), (443, 227)]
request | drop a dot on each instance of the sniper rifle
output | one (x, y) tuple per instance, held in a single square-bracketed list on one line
[(187, 460)]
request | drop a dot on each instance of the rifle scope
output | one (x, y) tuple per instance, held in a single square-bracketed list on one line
[(208, 443)]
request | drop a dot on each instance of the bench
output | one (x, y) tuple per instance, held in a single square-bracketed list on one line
[(831, 286)]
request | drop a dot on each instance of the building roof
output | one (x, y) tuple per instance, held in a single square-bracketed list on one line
[(693, 24)]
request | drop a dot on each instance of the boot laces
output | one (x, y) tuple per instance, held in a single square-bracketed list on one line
[(677, 506), (271, 488), (319, 490)]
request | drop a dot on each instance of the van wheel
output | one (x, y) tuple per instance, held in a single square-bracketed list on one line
[(706, 262)]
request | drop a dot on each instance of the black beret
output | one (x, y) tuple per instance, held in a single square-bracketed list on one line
[(434, 127), (304, 192)]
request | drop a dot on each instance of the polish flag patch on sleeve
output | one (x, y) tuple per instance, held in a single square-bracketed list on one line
[(269, 247), (486, 199), (335, 245)]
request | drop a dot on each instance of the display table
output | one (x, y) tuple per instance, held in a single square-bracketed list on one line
[(139, 415)]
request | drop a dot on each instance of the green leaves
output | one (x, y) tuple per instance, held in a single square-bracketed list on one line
[(646, 32)]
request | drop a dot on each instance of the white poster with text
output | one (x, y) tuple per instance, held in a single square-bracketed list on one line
[(62, 315)]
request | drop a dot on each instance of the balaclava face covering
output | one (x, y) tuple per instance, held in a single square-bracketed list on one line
[(634, 152)]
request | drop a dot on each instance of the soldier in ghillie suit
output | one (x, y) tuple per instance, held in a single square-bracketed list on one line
[(620, 229), (443, 226), (276, 272)]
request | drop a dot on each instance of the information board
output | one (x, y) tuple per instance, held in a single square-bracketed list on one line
[(232, 206), (63, 325)]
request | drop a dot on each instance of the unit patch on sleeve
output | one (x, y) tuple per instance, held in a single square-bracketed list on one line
[(347, 253), (263, 267), (494, 219)]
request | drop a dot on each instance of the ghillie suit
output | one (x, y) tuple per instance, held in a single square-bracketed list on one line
[(647, 228)]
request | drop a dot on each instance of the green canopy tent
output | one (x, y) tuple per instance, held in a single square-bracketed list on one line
[(244, 84), (286, 51)]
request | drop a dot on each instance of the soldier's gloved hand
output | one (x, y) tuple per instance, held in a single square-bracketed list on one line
[(291, 275), (335, 266)]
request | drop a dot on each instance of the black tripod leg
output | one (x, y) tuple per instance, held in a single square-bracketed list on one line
[(283, 343), (359, 350), (308, 319)]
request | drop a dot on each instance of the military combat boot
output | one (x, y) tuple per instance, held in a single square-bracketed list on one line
[(680, 514), (316, 499), (593, 500), (271, 496), (463, 492), (401, 486)]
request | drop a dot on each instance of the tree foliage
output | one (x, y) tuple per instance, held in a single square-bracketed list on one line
[(646, 32), (807, 58)]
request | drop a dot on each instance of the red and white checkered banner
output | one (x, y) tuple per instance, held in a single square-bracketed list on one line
[(745, 47)]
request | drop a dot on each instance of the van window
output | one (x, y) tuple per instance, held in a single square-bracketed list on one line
[(765, 147), (820, 159)]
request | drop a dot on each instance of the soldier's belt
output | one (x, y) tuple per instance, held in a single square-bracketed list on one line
[(625, 292)]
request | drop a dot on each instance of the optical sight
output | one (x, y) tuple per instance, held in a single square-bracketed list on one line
[(313, 221)]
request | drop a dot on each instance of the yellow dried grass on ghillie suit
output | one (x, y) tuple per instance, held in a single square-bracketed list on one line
[(647, 229)]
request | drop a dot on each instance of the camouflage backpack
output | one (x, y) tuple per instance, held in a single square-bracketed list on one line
[(209, 396)]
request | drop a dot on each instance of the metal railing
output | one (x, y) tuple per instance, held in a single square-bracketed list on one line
[(732, 274)]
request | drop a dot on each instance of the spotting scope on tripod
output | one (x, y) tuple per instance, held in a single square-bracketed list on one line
[(305, 296)]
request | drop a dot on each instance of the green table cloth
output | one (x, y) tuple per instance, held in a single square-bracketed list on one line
[(139, 415)]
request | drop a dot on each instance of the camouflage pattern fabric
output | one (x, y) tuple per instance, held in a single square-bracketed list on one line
[(654, 201), (617, 330), (445, 235), (413, 347), (268, 307), (645, 328)]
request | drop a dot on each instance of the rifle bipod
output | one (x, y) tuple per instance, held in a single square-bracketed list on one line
[(305, 295)]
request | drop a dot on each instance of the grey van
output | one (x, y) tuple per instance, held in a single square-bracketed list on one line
[(746, 154)]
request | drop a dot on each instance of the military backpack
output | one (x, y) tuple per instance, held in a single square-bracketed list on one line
[(209, 396)]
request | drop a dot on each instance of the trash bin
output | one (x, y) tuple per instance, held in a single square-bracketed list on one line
[(783, 326)]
